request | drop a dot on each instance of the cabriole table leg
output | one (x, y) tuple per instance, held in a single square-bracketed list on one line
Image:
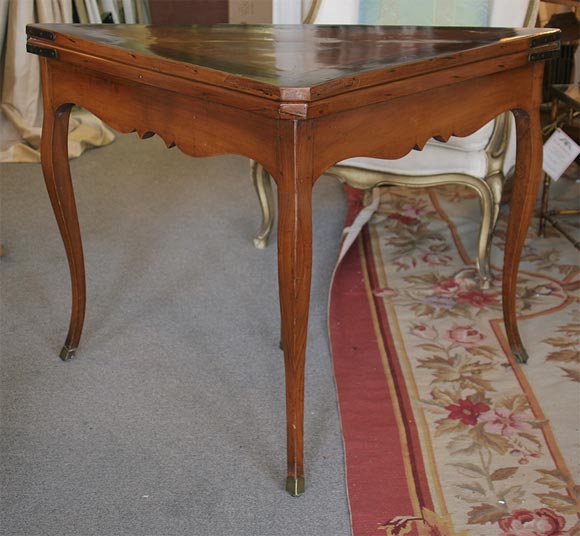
[(55, 167), (525, 190)]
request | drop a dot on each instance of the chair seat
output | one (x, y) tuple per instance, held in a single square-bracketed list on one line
[(434, 159)]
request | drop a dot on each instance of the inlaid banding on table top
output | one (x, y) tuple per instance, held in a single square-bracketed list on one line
[(285, 62)]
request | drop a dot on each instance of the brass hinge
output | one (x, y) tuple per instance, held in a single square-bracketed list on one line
[(543, 56), (41, 51), (43, 34), (543, 39)]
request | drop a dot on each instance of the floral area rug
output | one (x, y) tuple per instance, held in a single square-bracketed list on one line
[(445, 434)]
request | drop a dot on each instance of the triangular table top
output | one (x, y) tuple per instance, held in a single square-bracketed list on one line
[(267, 58)]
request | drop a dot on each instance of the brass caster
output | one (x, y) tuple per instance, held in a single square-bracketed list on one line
[(66, 354), (521, 356), (484, 283), (260, 242), (295, 485)]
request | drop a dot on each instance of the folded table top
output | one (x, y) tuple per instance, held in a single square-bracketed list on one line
[(299, 63)]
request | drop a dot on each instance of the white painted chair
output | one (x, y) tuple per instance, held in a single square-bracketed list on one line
[(480, 161)]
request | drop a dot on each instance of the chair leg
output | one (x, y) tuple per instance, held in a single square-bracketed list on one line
[(488, 220), (544, 209), (263, 186), (495, 183), (490, 204)]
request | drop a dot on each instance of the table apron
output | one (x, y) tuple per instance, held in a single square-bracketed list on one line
[(392, 128), (200, 126), (197, 125)]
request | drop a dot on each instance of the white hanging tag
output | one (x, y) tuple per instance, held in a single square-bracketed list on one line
[(560, 150)]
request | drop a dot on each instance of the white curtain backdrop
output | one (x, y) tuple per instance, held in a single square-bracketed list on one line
[(21, 99)]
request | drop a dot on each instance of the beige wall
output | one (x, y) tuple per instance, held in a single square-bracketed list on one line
[(547, 10), (250, 11)]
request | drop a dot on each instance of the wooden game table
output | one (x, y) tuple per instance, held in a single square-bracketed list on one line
[(297, 99)]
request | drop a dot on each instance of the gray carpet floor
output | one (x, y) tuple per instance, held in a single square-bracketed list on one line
[(170, 420)]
